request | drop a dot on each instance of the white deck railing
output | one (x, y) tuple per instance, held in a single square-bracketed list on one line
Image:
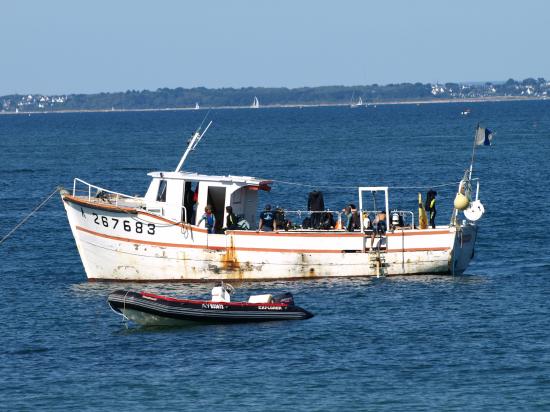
[(297, 217), (98, 192)]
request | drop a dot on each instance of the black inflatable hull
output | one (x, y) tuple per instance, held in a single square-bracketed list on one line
[(154, 310)]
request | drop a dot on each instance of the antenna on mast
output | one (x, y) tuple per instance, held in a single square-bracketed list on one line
[(194, 141)]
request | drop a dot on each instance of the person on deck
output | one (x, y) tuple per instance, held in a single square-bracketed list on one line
[(430, 206), (327, 221), (231, 221), (209, 218), (379, 227), (355, 217), (280, 220), (316, 204), (348, 215), (267, 220), (194, 198), (352, 218)]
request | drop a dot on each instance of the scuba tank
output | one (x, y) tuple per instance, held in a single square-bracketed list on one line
[(395, 219), (367, 224)]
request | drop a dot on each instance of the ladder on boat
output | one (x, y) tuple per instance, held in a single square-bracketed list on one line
[(377, 262), (377, 255)]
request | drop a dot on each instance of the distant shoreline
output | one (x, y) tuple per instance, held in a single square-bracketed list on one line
[(472, 100)]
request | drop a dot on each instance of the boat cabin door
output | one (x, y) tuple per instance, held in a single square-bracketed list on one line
[(216, 199)]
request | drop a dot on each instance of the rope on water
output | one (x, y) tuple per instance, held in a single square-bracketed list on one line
[(36, 209), (121, 313)]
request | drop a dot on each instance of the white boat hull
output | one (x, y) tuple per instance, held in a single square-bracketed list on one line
[(123, 244)]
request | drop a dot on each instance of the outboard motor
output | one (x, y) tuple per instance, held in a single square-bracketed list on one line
[(285, 297)]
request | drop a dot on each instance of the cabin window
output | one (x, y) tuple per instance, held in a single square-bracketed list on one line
[(161, 194)]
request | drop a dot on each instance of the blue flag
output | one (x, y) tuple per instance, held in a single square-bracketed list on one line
[(483, 137)]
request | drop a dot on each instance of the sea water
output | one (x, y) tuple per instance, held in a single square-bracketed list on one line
[(475, 342)]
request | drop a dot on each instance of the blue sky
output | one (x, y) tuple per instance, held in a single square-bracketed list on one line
[(62, 46)]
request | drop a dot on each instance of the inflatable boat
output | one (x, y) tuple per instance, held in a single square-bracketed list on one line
[(149, 309)]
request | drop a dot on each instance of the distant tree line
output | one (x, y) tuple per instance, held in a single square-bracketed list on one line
[(187, 98)]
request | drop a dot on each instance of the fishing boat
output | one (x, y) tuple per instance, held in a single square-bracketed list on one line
[(161, 236), (255, 103), (150, 309)]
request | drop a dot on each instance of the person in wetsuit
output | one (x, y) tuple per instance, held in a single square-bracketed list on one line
[(209, 218), (231, 220), (348, 215), (430, 206), (315, 203), (379, 227)]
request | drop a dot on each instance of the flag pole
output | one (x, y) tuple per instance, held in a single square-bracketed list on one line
[(473, 151)]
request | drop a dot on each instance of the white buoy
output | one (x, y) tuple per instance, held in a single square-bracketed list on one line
[(474, 211)]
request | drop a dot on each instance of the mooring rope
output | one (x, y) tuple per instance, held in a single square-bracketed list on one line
[(121, 313), (36, 209)]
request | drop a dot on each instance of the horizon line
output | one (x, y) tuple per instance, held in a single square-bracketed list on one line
[(480, 82)]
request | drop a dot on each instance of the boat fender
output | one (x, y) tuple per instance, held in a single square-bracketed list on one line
[(475, 211), (461, 202)]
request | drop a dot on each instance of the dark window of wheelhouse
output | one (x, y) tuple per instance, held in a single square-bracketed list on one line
[(161, 194)]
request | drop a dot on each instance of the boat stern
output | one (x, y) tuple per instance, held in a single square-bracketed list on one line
[(463, 248)]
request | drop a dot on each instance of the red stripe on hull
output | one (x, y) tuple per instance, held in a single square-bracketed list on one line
[(248, 249)]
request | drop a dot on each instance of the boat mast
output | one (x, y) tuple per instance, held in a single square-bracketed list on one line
[(465, 185), (193, 142)]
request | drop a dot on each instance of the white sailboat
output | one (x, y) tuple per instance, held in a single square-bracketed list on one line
[(255, 103), (359, 103), (197, 107)]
